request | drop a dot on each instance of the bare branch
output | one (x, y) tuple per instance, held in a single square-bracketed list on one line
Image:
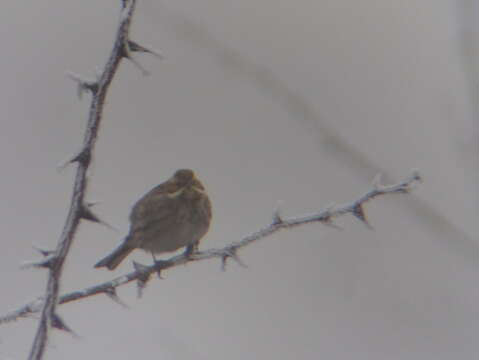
[(99, 89), (143, 273)]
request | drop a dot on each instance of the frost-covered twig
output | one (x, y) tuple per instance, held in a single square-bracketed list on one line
[(142, 274)]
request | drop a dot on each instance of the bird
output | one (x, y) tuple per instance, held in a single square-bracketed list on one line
[(172, 215)]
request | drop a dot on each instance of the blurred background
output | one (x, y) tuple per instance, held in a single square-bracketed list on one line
[(299, 103)]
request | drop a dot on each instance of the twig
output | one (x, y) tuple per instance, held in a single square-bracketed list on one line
[(142, 273)]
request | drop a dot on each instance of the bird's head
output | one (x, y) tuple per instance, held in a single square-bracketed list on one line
[(184, 177), (186, 184)]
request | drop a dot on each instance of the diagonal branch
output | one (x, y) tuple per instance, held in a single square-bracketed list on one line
[(142, 273), (330, 140), (99, 91)]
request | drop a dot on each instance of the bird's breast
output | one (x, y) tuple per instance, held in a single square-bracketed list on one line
[(188, 223)]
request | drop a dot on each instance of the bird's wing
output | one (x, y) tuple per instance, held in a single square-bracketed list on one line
[(154, 206)]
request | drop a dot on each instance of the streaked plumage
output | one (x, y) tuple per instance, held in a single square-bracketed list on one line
[(174, 214)]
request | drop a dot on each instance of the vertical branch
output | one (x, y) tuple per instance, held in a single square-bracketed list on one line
[(77, 206)]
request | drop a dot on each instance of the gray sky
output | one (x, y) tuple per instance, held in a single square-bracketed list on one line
[(269, 101)]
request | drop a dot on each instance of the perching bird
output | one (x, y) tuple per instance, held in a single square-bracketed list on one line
[(174, 214)]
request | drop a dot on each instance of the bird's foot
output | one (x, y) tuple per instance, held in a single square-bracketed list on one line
[(161, 265), (191, 250)]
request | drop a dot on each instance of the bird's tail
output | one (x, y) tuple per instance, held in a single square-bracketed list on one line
[(115, 258)]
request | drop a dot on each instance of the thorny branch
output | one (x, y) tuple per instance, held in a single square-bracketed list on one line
[(142, 273), (78, 209), (328, 138)]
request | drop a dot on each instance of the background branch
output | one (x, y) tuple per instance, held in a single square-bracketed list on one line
[(142, 273)]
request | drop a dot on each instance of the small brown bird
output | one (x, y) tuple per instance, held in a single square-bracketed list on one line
[(174, 214)]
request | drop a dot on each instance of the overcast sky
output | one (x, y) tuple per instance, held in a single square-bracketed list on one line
[(298, 103)]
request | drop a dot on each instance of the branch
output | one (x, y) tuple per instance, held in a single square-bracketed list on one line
[(47, 304), (142, 273), (329, 140)]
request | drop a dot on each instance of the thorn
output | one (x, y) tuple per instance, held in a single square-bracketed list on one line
[(83, 85), (58, 323), (236, 258), (358, 212), (143, 277), (416, 176), (327, 218), (231, 253), (143, 71), (87, 214), (126, 53), (140, 287), (223, 262), (135, 47), (111, 293), (277, 219), (43, 251), (84, 157), (411, 182), (46, 263), (63, 164), (125, 50)]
